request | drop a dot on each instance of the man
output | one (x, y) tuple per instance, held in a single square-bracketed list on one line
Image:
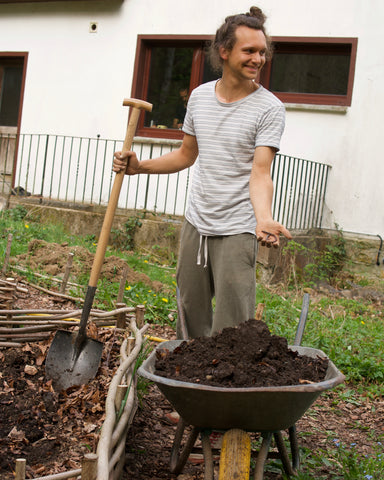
[(233, 126), (181, 109)]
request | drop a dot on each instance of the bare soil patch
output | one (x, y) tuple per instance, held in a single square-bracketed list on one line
[(52, 431), (51, 258)]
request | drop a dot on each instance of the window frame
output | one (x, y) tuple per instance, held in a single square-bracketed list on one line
[(141, 72), (304, 44), (145, 43)]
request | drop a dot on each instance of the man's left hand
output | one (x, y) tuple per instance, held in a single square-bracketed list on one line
[(268, 233)]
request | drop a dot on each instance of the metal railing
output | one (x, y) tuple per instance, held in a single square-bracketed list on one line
[(79, 170), (299, 193)]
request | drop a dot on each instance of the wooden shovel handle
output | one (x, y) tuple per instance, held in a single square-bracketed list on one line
[(136, 107)]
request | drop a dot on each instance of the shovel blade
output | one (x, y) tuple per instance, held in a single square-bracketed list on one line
[(68, 367)]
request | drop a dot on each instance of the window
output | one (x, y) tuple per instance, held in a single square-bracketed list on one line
[(11, 77), (305, 70), (311, 70), (167, 69)]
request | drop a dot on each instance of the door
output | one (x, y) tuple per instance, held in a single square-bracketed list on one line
[(12, 75)]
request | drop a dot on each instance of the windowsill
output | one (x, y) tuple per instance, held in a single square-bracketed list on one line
[(288, 106), (158, 141), (316, 108)]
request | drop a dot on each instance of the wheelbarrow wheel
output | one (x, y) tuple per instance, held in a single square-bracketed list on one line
[(235, 457)]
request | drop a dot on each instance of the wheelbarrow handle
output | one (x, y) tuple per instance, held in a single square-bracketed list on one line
[(302, 320)]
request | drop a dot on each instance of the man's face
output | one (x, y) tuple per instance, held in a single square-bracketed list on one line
[(247, 56), (184, 94)]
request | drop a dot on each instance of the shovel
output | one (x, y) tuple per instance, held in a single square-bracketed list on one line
[(73, 358)]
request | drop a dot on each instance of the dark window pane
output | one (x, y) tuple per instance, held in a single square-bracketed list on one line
[(10, 95), (308, 73), (169, 78)]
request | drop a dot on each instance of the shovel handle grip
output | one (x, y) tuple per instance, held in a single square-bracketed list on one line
[(136, 107)]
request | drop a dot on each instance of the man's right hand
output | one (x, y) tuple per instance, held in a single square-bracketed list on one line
[(126, 161)]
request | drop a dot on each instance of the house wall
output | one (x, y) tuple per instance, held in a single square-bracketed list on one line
[(76, 80)]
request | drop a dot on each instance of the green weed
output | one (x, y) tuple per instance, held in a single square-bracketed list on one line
[(160, 306), (125, 238), (321, 265)]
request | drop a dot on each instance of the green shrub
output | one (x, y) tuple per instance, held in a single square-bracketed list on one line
[(125, 238)]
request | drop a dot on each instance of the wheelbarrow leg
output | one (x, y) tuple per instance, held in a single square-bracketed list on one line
[(262, 456), (294, 448), (290, 468), (208, 456), (179, 459)]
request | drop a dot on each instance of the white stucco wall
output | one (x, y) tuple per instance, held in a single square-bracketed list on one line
[(76, 80)]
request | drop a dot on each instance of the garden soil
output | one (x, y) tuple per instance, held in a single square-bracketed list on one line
[(245, 356), (53, 431), (52, 258)]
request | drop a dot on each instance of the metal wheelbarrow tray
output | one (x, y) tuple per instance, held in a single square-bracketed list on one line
[(256, 409)]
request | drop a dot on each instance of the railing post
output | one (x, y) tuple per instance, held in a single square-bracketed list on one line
[(44, 168), (147, 184)]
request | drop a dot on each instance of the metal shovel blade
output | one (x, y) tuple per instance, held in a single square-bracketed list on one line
[(67, 365)]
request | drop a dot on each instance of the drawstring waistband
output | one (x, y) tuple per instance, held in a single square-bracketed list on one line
[(203, 238)]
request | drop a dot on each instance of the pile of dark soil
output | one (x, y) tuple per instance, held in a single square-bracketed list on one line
[(243, 356)]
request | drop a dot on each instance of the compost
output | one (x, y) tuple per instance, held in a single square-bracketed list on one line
[(244, 356)]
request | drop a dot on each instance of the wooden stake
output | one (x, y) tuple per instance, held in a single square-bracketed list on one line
[(259, 311), (7, 253), (140, 310), (130, 345), (67, 272), (120, 394), (89, 467), (123, 281), (7, 295), (121, 321), (20, 469)]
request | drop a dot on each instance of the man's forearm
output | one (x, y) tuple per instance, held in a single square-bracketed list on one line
[(261, 194), (174, 161), (168, 163)]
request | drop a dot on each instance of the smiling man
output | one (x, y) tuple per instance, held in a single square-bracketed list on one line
[(232, 130)]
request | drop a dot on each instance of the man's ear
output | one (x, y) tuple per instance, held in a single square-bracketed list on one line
[(223, 52)]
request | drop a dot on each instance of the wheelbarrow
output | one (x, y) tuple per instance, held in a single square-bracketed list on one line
[(267, 410)]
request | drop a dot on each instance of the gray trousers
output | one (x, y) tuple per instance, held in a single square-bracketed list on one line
[(221, 291)]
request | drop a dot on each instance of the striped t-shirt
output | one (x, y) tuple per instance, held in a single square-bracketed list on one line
[(227, 134)]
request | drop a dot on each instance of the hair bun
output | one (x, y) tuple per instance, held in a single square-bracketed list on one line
[(257, 13)]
